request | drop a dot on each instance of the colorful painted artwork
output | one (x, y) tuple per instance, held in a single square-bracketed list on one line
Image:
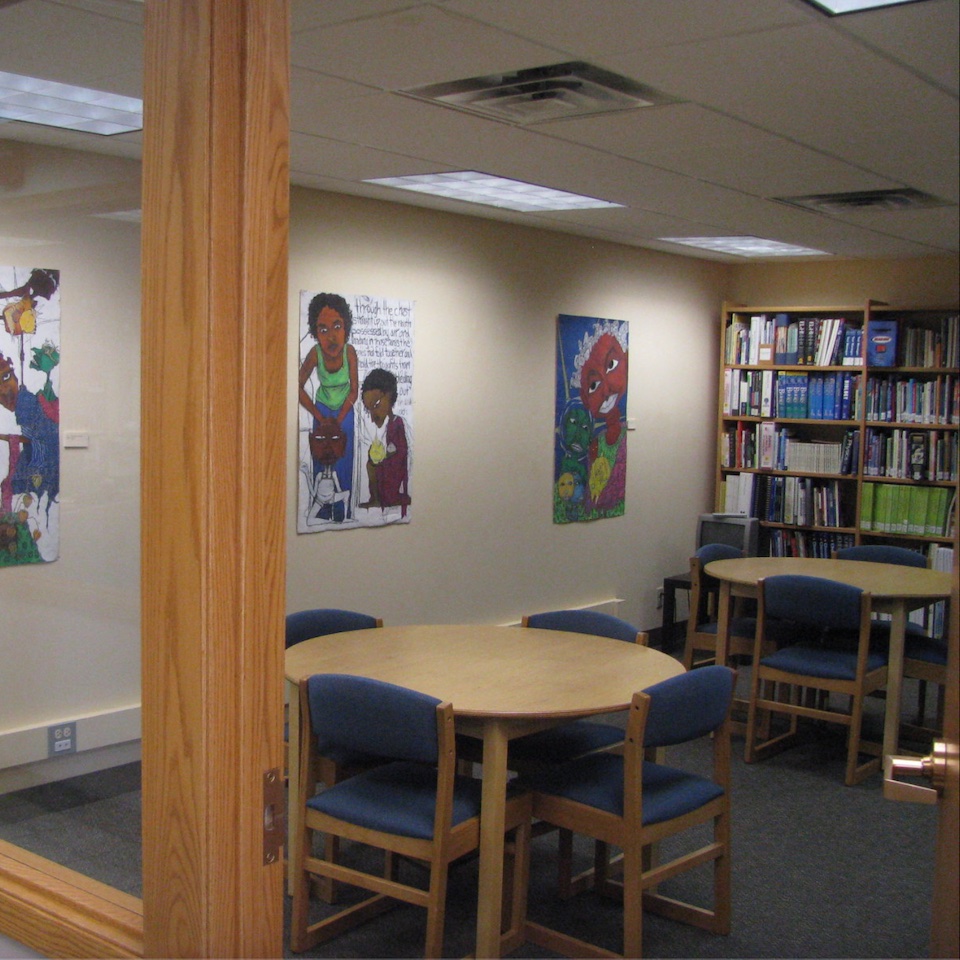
[(355, 411), (590, 449), (29, 415)]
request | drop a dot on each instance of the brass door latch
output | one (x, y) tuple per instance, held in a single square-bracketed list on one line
[(932, 768)]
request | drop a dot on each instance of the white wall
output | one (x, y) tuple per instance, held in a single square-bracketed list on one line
[(482, 545), (70, 635)]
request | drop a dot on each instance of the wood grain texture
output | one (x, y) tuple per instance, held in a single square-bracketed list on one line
[(61, 913), (214, 337)]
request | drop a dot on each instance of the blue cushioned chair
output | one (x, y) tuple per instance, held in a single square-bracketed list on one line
[(704, 601), (414, 806), (539, 751), (578, 737), (835, 655), (319, 622), (924, 657), (631, 802), (340, 764)]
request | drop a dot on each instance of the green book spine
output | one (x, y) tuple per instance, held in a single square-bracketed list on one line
[(866, 507), (917, 513)]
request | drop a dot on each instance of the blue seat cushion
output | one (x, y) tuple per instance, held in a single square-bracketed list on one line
[(597, 781), (926, 648), (826, 662), (398, 798), (562, 743)]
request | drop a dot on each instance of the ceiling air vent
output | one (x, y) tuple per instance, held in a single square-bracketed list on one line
[(903, 198), (538, 94)]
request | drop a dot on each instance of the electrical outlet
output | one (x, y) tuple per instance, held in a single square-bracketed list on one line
[(61, 739)]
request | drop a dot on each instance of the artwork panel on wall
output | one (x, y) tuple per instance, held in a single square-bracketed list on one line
[(355, 414), (590, 445), (29, 415)]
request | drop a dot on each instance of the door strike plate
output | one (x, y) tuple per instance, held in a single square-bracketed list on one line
[(274, 816)]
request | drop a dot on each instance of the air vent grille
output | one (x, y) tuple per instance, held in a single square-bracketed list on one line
[(539, 94), (857, 201)]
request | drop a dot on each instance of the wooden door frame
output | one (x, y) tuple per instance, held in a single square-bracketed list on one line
[(214, 333)]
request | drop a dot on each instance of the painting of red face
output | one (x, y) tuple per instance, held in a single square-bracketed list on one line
[(603, 378), (331, 335)]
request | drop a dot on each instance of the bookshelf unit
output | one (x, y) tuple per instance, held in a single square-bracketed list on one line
[(839, 425)]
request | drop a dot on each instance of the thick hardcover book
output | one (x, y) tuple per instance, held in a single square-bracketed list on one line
[(918, 456), (882, 343)]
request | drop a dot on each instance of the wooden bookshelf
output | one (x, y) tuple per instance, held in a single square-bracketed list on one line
[(839, 425)]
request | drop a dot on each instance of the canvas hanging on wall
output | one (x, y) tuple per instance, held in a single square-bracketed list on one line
[(29, 415), (590, 448), (355, 445)]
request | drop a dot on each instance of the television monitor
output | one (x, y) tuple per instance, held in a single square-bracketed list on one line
[(733, 529)]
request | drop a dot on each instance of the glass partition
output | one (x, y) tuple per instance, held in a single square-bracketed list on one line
[(70, 444)]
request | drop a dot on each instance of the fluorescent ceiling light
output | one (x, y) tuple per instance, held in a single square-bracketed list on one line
[(837, 7), (31, 100), (472, 187), (746, 246)]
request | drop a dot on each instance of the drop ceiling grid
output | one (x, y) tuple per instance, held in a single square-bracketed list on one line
[(740, 155), (415, 47), (625, 26)]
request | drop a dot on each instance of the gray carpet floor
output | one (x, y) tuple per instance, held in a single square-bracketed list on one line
[(820, 869)]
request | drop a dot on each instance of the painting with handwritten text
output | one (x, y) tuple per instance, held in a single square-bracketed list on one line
[(355, 445), (29, 415)]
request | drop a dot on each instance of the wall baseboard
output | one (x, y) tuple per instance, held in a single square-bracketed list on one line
[(103, 740), (611, 606)]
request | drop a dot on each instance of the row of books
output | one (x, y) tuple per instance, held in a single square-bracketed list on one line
[(931, 346), (898, 399), (766, 446), (911, 454), (802, 501), (907, 509), (791, 395), (737, 494), (941, 558), (806, 543), (765, 338)]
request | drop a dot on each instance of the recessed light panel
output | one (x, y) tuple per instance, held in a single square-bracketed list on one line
[(473, 187), (746, 246), (32, 100)]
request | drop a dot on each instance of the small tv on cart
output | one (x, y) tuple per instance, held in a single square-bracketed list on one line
[(733, 529)]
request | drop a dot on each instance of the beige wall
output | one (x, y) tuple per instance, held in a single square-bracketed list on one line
[(482, 545), (930, 282), (70, 640)]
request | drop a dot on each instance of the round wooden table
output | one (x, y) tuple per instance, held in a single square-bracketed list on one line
[(893, 588), (503, 682)]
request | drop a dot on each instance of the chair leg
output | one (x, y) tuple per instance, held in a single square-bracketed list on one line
[(632, 899), (436, 910), (516, 883), (565, 864), (722, 876), (299, 921)]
